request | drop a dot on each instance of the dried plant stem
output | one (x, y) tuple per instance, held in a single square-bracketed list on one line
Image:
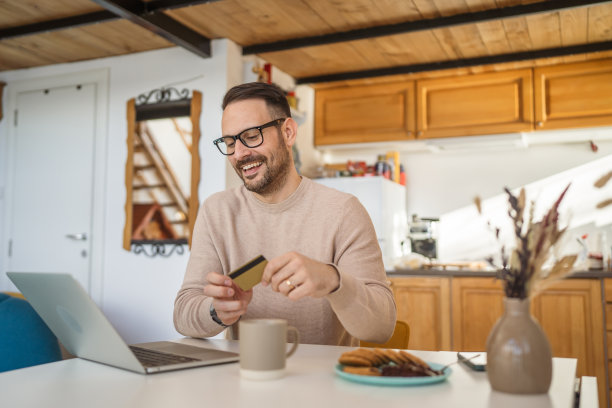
[(524, 276)]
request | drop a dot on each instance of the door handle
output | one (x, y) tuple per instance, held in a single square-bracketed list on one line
[(77, 237)]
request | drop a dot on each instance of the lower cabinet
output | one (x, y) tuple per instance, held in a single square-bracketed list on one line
[(458, 313), (476, 306), (424, 304), (608, 298)]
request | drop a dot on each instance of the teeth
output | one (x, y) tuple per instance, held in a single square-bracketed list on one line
[(250, 166)]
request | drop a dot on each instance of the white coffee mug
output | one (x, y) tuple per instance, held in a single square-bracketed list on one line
[(263, 348)]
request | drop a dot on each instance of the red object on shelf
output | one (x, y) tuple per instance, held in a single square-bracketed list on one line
[(268, 70), (402, 176)]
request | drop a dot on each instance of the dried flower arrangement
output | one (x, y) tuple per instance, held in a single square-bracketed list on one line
[(523, 274), (600, 183)]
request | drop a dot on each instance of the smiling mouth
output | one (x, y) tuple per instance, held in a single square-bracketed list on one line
[(249, 170), (251, 165)]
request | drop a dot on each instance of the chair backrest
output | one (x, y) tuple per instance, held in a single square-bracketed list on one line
[(399, 339), (15, 294), (26, 340)]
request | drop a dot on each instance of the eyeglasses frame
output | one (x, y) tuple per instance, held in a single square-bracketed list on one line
[(275, 122)]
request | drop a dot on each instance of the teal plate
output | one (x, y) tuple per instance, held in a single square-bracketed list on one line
[(395, 381)]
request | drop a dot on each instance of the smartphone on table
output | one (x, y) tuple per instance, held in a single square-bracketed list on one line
[(476, 361)]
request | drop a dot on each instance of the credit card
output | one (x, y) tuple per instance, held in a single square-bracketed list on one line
[(249, 274)]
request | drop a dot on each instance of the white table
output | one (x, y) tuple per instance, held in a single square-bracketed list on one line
[(310, 382)]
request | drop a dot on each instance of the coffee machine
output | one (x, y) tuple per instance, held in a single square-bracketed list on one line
[(423, 236)]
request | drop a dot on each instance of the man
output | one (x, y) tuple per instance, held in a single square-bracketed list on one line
[(325, 273)]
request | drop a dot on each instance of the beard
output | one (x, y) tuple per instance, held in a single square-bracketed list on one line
[(275, 173)]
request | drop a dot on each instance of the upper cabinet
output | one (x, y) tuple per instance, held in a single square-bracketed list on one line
[(499, 102), (573, 95), (520, 100), (369, 113)]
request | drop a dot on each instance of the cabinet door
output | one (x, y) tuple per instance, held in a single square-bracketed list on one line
[(424, 303), (499, 102), (477, 305), (573, 95), (370, 113), (571, 314)]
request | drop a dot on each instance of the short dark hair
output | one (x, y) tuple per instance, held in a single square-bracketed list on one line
[(273, 95)]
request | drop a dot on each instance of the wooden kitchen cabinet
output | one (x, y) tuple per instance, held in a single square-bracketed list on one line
[(573, 95), (608, 300), (365, 113), (571, 314), (458, 313), (477, 305), (488, 103), (424, 303)]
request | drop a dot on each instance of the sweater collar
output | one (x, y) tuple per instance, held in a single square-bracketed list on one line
[(287, 203)]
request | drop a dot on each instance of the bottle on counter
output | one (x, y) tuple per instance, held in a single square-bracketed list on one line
[(402, 175), (394, 162), (381, 168)]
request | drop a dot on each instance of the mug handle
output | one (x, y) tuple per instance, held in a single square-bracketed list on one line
[(291, 329)]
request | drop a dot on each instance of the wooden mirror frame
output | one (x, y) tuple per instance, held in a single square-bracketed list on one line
[(2, 84), (195, 109)]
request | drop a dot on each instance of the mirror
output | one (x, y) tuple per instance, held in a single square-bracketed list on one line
[(162, 170)]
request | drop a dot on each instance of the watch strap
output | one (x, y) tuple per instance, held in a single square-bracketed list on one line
[(213, 314)]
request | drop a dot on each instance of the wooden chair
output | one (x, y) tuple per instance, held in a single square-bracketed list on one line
[(399, 339)]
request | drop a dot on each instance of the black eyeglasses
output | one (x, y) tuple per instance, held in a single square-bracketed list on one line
[(251, 137)]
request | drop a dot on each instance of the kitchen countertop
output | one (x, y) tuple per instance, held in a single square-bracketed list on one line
[(593, 273)]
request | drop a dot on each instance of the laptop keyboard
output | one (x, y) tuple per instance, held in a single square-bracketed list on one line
[(154, 358)]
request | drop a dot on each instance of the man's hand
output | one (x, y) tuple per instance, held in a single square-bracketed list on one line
[(229, 300), (296, 276)]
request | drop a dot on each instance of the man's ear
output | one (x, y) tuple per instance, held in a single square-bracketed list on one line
[(289, 131)]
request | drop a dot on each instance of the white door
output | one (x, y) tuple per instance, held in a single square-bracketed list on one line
[(51, 218)]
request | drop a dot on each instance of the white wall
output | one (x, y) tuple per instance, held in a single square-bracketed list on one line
[(445, 184), (138, 292), (442, 182)]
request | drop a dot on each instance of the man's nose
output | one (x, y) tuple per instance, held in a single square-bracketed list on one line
[(240, 150)]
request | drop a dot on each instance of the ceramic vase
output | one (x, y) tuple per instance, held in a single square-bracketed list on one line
[(519, 359)]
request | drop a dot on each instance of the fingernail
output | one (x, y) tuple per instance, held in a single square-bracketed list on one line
[(228, 282)]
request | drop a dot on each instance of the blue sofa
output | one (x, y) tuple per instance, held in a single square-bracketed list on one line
[(25, 340)]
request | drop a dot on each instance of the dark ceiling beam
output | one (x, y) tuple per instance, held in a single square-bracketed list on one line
[(420, 25), (58, 24), (160, 24), (161, 5), (153, 6), (461, 63)]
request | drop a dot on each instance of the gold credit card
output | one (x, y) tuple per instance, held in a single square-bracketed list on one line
[(249, 274)]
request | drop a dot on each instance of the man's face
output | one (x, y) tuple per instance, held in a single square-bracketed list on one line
[(263, 169)]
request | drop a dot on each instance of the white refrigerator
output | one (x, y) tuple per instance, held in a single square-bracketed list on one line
[(385, 201)]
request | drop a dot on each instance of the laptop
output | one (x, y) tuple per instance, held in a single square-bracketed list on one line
[(85, 332)]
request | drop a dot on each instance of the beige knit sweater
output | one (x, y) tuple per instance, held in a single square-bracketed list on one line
[(324, 224)]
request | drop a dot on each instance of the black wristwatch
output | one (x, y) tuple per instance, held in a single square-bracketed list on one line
[(213, 314)]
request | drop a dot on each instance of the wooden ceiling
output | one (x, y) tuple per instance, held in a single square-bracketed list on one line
[(314, 40)]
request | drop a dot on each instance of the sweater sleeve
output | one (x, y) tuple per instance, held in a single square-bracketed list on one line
[(191, 307), (363, 302)]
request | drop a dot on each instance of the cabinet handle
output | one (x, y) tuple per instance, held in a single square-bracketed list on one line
[(419, 133), (540, 124), (390, 283)]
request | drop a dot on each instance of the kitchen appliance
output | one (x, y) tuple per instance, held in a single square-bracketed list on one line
[(385, 202), (423, 236)]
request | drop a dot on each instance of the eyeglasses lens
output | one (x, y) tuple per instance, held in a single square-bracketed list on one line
[(250, 138)]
